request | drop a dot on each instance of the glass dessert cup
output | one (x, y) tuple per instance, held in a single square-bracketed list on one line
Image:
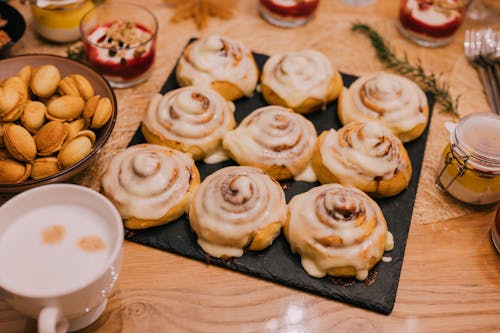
[(431, 23), (119, 42), (288, 13)]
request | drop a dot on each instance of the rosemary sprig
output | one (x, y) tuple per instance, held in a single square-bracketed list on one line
[(430, 83)]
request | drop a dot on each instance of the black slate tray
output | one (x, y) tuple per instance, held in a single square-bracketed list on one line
[(277, 263)]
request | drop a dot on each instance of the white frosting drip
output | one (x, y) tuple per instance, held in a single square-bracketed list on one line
[(307, 175), (296, 76), (359, 152), (360, 232), (399, 101), (194, 116), (231, 205), (432, 15), (146, 181), (389, 242), (219, 251), (273, 135), (217, 58), (217, 156)]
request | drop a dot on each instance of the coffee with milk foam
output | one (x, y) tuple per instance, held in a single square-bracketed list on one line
[(53, 250)]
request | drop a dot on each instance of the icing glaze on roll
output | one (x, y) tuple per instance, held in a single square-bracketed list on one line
[(273, 135), (232, 205), (360, 152), (191, 116), (393, 100), (337, 230), (146, 181), (216, 58), (296, 76)]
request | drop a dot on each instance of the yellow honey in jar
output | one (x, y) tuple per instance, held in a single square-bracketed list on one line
[(59, 21), (470, 163)]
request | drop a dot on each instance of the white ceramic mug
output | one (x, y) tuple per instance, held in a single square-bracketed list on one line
[(60, 255)]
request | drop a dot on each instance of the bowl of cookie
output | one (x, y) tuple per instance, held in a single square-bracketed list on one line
[(56, 114)]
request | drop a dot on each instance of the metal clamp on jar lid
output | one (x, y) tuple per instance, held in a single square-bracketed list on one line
[(470, 164)]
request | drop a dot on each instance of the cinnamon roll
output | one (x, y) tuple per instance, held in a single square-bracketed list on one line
[(393, 100), (365, 155), (303, 81), (219, 63), (337, 230), (150, 185), (276, 140), (237, 208), (190, 119)]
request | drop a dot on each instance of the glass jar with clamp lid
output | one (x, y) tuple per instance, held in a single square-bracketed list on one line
[(470, 163)]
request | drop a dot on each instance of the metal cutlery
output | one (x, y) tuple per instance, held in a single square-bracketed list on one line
[(490, 49), (480, 48)]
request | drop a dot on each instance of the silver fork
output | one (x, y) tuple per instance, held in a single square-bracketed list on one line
[(472, 47), (490, 49)]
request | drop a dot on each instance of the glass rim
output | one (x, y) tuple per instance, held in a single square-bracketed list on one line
[(93, 10), (56, 5), (460, 4)]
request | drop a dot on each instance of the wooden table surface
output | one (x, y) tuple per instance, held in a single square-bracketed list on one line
[(450, 280)]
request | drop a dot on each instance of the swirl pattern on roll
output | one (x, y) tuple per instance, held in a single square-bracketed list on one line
[(273, 136), (234, 207), (297, 76), (147, 181), (217, 58), (337, 230), (363, 155), (192, 119), (390, 99)]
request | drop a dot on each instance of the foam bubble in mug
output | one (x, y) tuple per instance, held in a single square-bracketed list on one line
[(60, 255)]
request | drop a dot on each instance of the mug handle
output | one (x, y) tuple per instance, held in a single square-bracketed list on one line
[(50, 320)]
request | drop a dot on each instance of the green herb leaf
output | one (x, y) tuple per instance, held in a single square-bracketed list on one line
[(430, 83)]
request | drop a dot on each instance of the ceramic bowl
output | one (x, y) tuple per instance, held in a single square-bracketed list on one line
[(11, 66), (15, 24)]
